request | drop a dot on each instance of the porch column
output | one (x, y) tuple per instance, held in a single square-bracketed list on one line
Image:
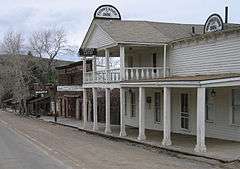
[(77, 109), (122, 113), (107, 64), (95, 120), (141, 135), (165, 61), (108, 122), (84, 68), (122, 62), (89, 117), (201, 147), (63, 107), (84, 108), (94, 68), (166, 117), (67, 106)]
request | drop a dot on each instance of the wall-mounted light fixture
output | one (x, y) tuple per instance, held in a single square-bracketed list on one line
[(213, 93)]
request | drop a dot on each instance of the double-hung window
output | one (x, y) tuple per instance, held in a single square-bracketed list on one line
[(210, 107), (158, 114), (236, 106), (133, 104)]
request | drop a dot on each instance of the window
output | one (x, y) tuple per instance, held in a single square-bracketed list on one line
[(210, 108), (184, 103), (184, 111), (126, 105), (133, 104), (158, 113), (236, 106)]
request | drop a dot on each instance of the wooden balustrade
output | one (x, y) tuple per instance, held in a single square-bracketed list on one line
[(133, 73)]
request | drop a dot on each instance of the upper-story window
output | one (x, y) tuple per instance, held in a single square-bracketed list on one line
[(236, 106)]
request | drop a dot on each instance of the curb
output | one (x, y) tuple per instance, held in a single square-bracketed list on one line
[(147, 145)]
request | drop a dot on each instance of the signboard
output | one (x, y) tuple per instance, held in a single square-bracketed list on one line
[(87, 51), (107, 12), (214, 23), (69, 88)]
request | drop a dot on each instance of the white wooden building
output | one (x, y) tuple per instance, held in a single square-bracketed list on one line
[(179, 78)]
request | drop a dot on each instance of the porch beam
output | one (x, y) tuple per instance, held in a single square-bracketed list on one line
[(108, 122), (166, 117), (201, 147), (122, 112), (84, 108), (95, 118), (122, 62), (142, 110)]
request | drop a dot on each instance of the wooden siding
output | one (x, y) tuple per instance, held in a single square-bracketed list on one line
[(206, 57), (98, 38), (219, 128)]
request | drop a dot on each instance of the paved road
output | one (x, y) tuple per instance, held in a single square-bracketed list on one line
[(33, 144), (18, 152)]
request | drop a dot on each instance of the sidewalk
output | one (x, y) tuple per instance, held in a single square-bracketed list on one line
[(221, 150)]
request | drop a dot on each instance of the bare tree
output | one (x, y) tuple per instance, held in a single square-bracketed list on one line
[(48, 44), (17, 75)]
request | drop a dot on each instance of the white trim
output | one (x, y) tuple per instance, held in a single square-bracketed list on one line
[(72, 88)]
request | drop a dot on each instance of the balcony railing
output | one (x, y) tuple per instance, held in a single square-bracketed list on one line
[(145, 73), (133, 73), (103, 76)]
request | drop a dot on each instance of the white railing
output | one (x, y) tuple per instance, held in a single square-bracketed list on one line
[(133, 73), (103, 76), (145, 73)]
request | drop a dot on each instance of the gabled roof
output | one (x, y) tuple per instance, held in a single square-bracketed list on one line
[(146, 32)]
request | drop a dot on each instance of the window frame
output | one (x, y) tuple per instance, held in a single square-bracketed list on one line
[(159, 107), (208, 94), (232, 108), (133, 104)]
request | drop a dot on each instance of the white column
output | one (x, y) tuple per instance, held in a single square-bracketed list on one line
[(84, 68), (63, 107), (107, 63), (201, 147), (142, 110), (89, 110), (122, 62), (95, 120), (166, 117), (165, 61), (94, 68), (84, 108), (108, 119), (77, 109), (122, 113)]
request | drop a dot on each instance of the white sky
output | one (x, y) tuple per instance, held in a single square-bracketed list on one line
[(76, 15)]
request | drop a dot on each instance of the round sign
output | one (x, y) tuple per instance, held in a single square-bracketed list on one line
[(214, 23), (107, 12)]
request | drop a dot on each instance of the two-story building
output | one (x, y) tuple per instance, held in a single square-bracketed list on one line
[(176, 78)]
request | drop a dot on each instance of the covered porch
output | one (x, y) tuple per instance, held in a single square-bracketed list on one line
[(223, 150)]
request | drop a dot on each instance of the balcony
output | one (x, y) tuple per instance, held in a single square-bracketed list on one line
[(130, 74)]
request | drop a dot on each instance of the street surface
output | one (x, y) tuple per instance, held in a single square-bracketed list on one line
[(27, 143)]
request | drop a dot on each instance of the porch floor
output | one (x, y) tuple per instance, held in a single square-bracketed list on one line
[(223, 150)]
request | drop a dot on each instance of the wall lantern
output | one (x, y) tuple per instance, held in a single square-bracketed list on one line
[(213, 93)]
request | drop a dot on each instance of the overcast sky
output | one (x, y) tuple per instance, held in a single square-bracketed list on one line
[(75, 16)]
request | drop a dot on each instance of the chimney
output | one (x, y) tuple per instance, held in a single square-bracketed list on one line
[(226, 14)]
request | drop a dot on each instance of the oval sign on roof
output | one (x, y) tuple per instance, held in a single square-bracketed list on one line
[(107, 12), (214, 23)]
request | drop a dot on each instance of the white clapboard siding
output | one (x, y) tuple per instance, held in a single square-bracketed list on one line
[(220, 55), (98, 38), (219, 128)]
